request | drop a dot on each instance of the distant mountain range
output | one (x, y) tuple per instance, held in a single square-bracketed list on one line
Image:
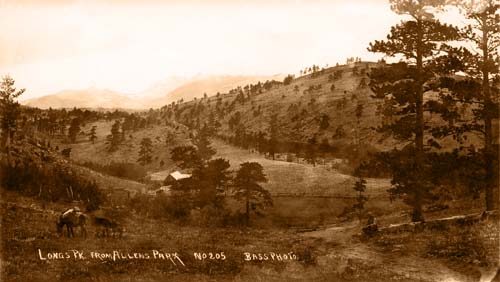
[(160, 94), (86, 98)]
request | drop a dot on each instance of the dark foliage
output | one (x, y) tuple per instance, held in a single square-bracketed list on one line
[(124, 170), (50, 182)]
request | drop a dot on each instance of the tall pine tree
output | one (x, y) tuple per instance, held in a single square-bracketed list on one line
[(9, 109), (74, 129), (115, 138), (145, 151), (248, 189), (472, 101), (416, 42), (93, 134), (273, 135)]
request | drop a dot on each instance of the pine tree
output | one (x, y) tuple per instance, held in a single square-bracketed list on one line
[(213, 180), (92, 134), (187, 157), (248, 189), (74, 129), (360, 188), (273, 135), (358, 207), (202, 143), (469, 103), (483, 68), (261, 142), (115, 138), (311, 150), (9, 109), (288, 79), (145, 151), (417, 41), (357, 138)]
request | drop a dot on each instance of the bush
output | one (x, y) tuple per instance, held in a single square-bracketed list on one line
[(162, 206), (306, 255), (125, 170), (181, 208), (49, 181), (288, 79)]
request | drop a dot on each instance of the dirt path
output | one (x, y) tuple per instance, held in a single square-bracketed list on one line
[(350, 254)]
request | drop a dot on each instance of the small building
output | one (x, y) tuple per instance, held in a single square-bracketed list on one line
[(176, 177)]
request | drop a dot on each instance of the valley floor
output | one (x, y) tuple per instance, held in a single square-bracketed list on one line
[(335, 253)]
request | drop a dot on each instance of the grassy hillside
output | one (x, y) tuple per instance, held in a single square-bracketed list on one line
[(116, 190), (333, 106), (284, 177), (298, 178), (128, 151), (300, 107)]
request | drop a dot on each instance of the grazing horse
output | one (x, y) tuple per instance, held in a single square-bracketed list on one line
[(108, 227), (72, 218)]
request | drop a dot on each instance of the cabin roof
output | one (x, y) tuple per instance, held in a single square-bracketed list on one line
[(178, 175)]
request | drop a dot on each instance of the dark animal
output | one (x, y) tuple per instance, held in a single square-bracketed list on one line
[(71, 218), (108, 227)]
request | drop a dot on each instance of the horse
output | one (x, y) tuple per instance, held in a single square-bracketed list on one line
[(109, 228), (72, 218)]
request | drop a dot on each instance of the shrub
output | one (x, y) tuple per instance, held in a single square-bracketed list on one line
[(125, 170), (288, 79), (162, 206), (49, 181)]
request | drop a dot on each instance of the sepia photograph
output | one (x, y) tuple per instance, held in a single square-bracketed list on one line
[(250, 140)]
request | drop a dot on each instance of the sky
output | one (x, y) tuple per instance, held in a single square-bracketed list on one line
[(127, 46)]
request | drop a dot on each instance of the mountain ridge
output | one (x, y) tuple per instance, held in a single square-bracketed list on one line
[(173, 89), (84, 98)]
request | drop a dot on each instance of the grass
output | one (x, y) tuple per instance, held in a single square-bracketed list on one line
[(468, 249), (83, 150), (29, 227), (278, 99), (332, 254), (300, 179)]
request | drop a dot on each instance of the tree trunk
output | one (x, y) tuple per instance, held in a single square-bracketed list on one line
[(247, 210), (488, 134), (417, 214), (3, 140), (419, 129)]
